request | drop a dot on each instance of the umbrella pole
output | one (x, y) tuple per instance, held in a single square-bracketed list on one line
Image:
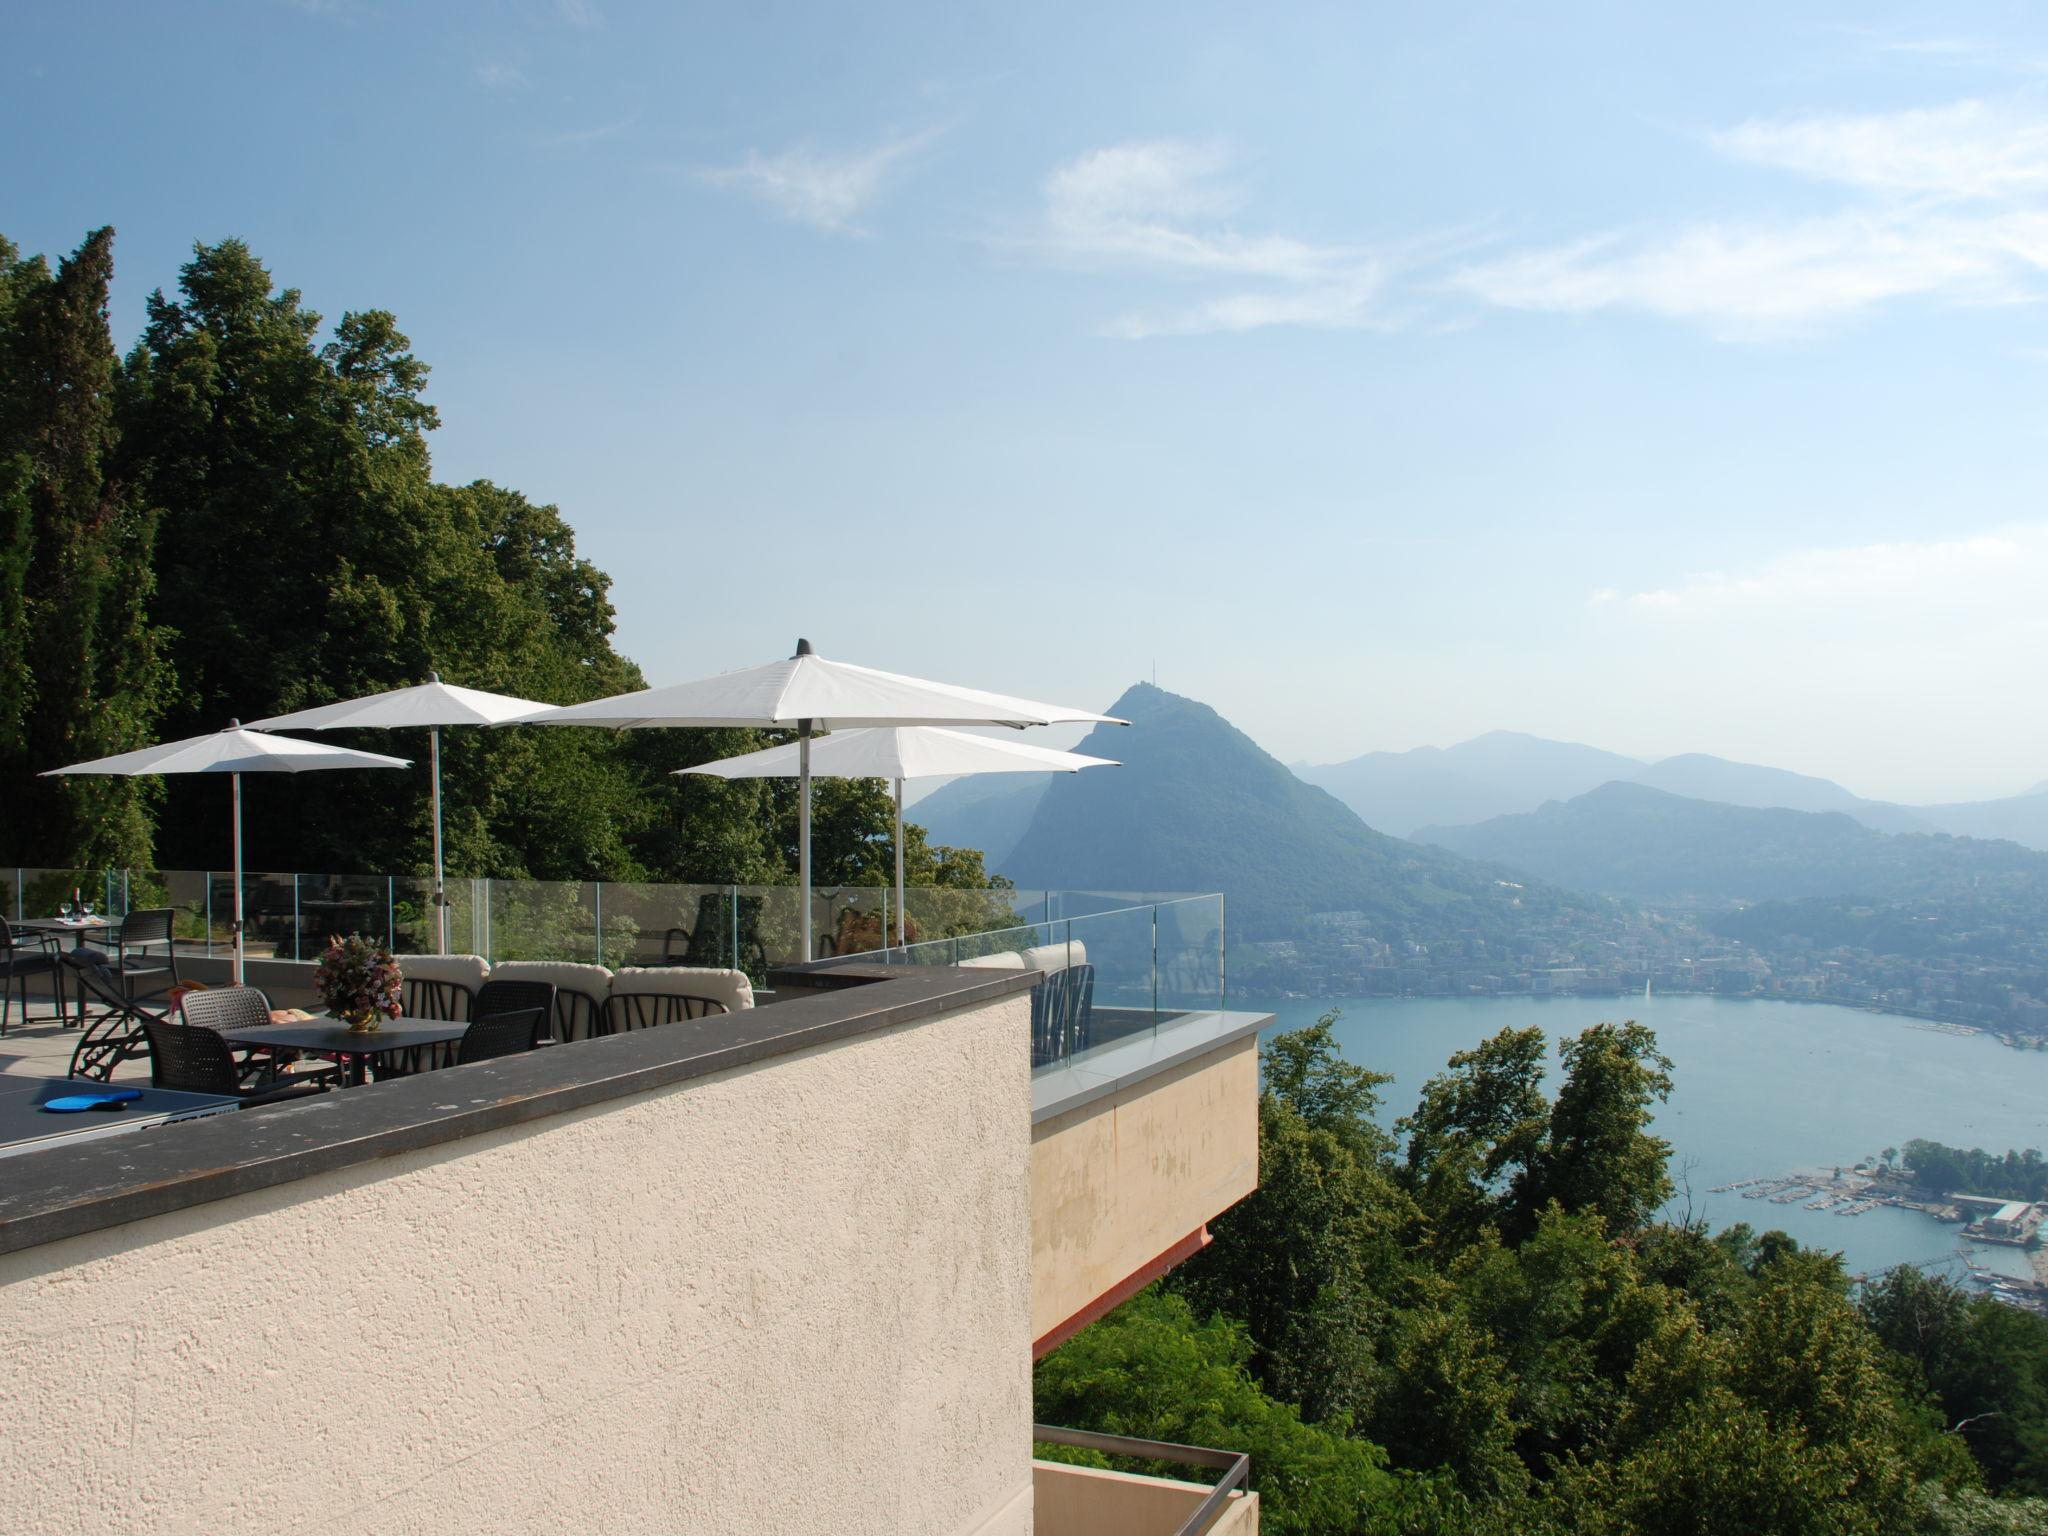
[(803, 839), (440, 889), (237, 778), (902, 931)]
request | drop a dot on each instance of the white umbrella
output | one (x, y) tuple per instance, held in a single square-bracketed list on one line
[(811, 693), (898, 753), (234, 751), (432, 704)]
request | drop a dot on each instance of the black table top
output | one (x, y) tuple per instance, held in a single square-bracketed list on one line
[(67, 925), (320, 1035), (24, 1125)]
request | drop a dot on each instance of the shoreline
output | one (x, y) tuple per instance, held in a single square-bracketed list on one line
[(2038, 1257)]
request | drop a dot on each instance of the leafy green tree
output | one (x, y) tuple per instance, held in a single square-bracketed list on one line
[(1475, 1132), (1599, 1154), (1151, 1371), (80, 673), (1310, 1261)]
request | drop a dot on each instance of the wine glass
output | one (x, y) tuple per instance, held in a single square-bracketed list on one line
[(85, 907), (64, 909)]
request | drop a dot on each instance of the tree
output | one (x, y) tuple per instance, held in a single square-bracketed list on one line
[(1599, 1154), (1309, 1260), (80, 673), (1475, 1132), (1151, 1371)]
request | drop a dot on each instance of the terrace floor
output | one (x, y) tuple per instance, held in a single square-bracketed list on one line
[(42, 1047)]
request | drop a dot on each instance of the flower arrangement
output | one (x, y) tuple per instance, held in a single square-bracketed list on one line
[(359, 982)]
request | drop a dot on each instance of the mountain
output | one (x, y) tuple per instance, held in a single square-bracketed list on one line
[(1490, 775), (1198, 806), (2021, 818), (1700, 777), (987, 811), (1634, 841)]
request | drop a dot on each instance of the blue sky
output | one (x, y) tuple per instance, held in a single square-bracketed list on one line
[(1384, 375)]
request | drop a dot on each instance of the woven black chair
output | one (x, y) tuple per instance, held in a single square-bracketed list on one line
[(1062, 1013), (497, 997), (501, 1034), (195, 1060), (644, 1010), (422, 997), (116, 1034), (220, 1009), (21, 958), (136, 960)]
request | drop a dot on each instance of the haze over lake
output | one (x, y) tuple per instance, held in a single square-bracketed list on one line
[(1760, 1088)]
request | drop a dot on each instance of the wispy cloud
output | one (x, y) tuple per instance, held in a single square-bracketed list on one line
[(1947, 203), (500, 75), (582, 14), (1165, 206), (1831, 580), (829, 189)]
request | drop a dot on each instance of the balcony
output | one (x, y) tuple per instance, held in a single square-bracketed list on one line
[(1070, 1500)]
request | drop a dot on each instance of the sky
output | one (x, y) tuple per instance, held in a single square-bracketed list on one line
[(1670, 379)]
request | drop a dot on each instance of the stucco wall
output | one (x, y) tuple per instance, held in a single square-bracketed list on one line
[(1117, 1182), (791, 1297)]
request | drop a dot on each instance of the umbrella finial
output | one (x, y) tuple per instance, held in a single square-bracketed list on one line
[(803, 648)]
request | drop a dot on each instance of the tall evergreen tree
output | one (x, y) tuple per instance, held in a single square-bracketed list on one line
[(80, 670)]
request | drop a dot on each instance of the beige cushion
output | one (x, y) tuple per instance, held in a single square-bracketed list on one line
[(1056, 957), (470, 970), (1003, 960), (592, 981), (731, 988)]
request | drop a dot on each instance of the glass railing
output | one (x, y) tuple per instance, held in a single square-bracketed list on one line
[(613, 923), (1113, 973)]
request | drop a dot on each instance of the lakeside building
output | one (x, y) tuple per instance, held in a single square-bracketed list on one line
[(781, 1269)]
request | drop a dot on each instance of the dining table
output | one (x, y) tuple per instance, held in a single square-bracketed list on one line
[(358, 1052), (56, 928)]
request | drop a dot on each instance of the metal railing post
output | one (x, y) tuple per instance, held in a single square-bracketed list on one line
[(1155, 966), (295, 915), (391, 911), (208, 874), (597, 910)]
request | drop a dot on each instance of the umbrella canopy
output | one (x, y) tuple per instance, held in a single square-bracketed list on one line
[(898, 753), (426, 704), (234, 751), (829, 694), (811, 693), (431, 704)]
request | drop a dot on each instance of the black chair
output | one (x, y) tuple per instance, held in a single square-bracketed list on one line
[(192, 1059), (501, 1034), (1062, 1013), (221, 1009), (117, 1034), (18, 962), (134, 958), (513, 996), (644, 1010), (422, 997)]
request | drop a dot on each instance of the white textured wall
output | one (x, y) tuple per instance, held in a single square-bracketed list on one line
[(794, 1297)]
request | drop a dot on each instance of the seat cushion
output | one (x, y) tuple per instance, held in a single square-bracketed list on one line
[(1002, 960), (732, 988)]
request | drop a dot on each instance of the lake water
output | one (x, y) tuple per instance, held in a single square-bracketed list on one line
[(1760, 1089)]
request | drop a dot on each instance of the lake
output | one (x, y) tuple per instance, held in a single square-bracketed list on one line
[(1760, 1089)]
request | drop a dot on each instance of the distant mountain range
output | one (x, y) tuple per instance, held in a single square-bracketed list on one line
[(1198, 806), (1631, 840), (1505, 772)]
